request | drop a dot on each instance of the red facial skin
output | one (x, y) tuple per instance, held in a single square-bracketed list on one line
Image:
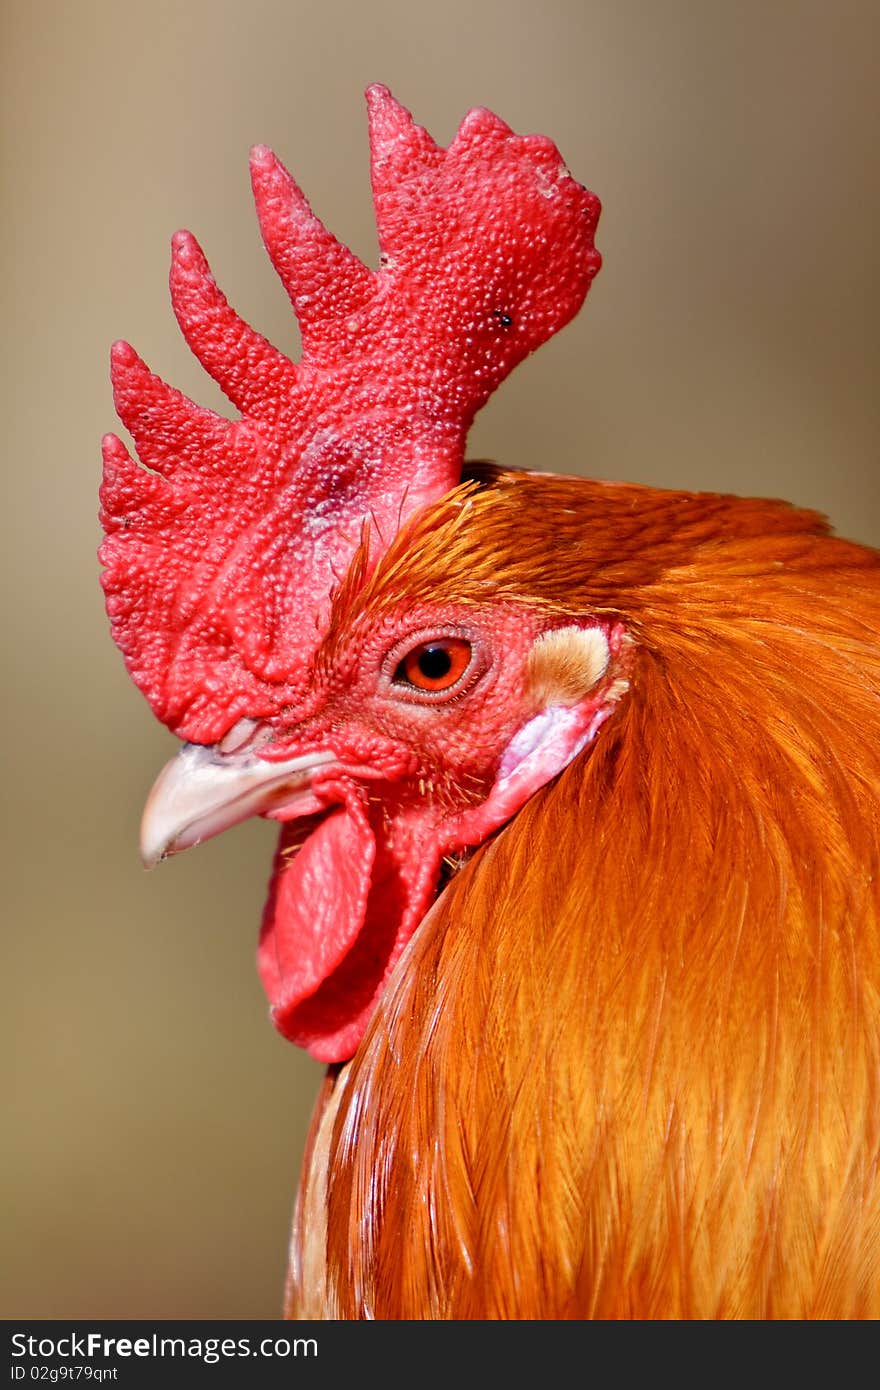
[(419, 776)]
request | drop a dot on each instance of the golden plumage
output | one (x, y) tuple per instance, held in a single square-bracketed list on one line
[(629, 1066)]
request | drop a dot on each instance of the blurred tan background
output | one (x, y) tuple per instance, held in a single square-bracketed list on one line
[(152, 1121)]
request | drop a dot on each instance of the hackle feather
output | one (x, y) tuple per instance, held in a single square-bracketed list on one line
[(629, 1066)]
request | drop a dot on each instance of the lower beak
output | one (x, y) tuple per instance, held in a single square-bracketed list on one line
[(204, 791)]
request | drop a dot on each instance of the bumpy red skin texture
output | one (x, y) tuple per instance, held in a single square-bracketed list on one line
[(220, 561)]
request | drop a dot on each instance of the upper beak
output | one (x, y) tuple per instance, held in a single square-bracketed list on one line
[(204, 790)]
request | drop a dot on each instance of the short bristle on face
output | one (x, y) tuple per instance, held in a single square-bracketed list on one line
[(220, 560)]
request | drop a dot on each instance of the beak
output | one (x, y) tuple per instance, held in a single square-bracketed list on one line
[(204, 791)]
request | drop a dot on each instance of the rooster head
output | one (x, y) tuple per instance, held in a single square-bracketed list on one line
[(275, 582), (433, 711)]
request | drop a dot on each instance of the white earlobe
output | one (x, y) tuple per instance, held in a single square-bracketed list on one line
[(572, 699)]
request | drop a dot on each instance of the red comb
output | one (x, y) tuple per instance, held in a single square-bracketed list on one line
[(220, 561)]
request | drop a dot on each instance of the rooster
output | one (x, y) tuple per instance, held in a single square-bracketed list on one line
[(577, 885)]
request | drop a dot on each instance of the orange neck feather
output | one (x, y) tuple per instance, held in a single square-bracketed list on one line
[(630, 1064)]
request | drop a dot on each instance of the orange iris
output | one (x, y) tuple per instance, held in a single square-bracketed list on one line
[(435, 665)]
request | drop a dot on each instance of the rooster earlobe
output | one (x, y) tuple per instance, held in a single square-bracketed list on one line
[(575, 681)]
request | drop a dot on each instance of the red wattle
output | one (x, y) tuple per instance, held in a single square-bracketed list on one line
[(340, 910), (316, 907)]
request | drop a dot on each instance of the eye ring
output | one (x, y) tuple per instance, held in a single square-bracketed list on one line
[(435, 666)]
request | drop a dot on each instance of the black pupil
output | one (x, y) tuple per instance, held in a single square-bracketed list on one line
[(435, 663)]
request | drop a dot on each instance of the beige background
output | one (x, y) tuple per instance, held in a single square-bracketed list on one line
[(152, 1121)]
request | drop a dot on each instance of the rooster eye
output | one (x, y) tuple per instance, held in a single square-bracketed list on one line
[(435, 665)]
